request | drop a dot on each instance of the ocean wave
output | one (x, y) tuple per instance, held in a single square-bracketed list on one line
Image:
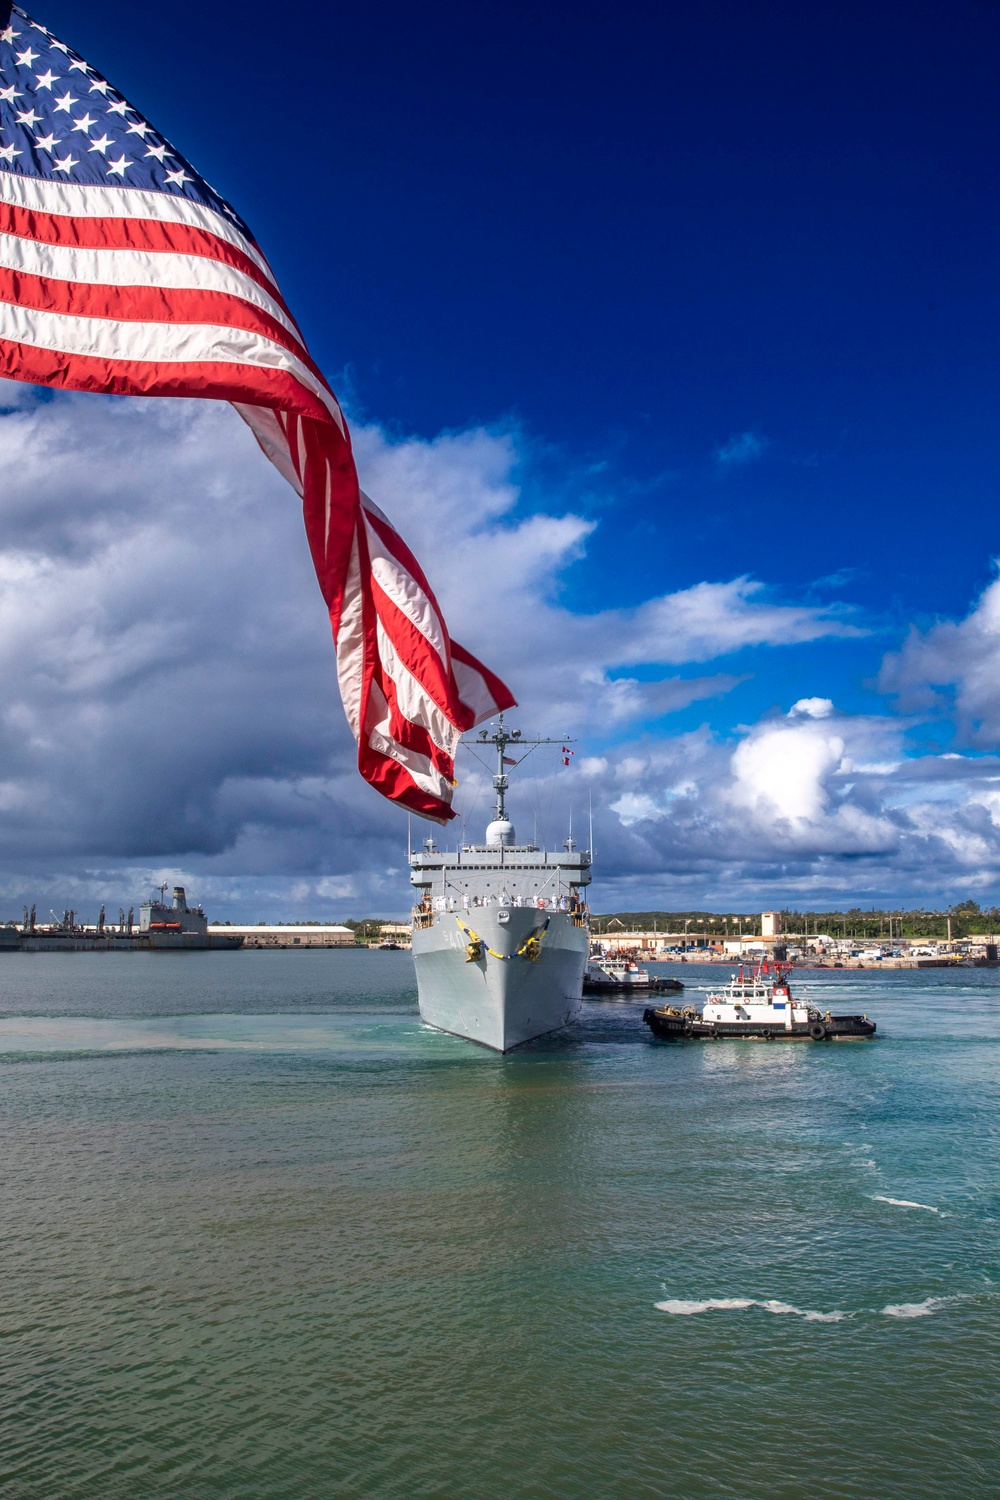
[(683, 1309), (923, 1309), (680, 1307), (773, 1306), (904, 1203)]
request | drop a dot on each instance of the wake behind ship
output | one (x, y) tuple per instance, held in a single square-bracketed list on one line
[(500, 929)]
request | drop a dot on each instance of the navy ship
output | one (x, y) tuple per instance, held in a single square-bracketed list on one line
[(500, 929), (179, 925)]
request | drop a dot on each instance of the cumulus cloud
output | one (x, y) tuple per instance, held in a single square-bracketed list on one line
[(169, 707), (955, 667), (169, 700), (812, 708)]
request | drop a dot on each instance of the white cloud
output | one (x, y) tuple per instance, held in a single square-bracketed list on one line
[(742, 448), (955, 665), (169, 708), (811, 708)]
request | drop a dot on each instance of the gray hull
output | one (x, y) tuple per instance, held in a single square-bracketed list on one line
[(505, 1001)]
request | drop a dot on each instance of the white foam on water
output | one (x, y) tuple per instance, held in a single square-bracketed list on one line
[(904, 1203), (924, 1309), (773, 1306), (683, 1309)]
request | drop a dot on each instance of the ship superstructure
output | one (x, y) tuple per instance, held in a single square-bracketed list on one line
[(179, 925), (500, 929)]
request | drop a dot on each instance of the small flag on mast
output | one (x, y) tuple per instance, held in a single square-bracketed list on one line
[(122, 271)]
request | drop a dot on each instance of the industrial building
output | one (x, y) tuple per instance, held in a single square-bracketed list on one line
[(261, 935)]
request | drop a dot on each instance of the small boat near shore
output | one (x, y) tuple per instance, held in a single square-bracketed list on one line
[(622, 976), (758, 1005)]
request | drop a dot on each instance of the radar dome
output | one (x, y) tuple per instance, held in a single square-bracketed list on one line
[(500, 832)]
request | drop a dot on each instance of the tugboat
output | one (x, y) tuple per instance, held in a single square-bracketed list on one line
[(760, 1006), (622, 976)]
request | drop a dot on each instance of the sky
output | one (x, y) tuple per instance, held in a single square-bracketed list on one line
[(668, 338)]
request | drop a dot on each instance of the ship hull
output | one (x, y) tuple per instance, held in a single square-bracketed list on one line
[(502, 998)]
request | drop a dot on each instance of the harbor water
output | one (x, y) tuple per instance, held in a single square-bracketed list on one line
[(264, 1236)]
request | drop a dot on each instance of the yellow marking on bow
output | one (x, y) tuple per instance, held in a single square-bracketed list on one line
[(532, 941)]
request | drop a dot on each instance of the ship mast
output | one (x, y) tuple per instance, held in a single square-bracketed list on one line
[(500, 739)]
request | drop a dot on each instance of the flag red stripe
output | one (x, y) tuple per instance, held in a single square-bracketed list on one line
[(148, 304), (413, 736), (401, 552), (499, 691), (395, 782), (156, 236), (221, 381), (420, 659)]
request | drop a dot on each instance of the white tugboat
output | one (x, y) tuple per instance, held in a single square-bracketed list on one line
[(758, 1004), (500, 929), (623, 976)]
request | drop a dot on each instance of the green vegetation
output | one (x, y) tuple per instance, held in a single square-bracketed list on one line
[(966, 917)]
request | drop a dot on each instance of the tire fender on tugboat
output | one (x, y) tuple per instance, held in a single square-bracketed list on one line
[(817, 1031)]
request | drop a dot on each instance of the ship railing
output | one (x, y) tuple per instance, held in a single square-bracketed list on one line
[(444, 905)]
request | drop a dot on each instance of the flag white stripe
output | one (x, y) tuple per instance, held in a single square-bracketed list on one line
[(413, 699), (75, 200), (138, 268), (351, 643), (158, 343), (407, 595), (421, 768), (473, 690), (270, 434)]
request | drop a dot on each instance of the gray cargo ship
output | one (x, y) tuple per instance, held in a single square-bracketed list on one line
[(500, 929), (177, 926)]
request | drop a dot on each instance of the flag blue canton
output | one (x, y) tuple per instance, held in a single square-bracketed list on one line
[(62, 121)]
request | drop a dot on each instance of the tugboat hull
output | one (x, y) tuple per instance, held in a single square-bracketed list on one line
[(655, 987), (679, 1028)]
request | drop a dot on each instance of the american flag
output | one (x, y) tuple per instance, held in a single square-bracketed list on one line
[(123, 271)]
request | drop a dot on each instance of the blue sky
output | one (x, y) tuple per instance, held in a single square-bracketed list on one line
[(694, 294)]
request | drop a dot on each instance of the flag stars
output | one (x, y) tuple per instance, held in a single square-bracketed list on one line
[(119, 165), (28, 117), (48, 142), (66, 165), (178, 178), (9, 34), (140, 128), (10, 94), (60, 46), (7, 153), (47, 79), (100, 86), (159, 152), (100, 143), (118, 108), (26, 58), (84, 123), (66, 102), (79, 66)]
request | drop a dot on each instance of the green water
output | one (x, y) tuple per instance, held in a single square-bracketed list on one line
[(263, 1235)]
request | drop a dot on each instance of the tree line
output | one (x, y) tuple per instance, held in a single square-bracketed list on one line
[(871, 923)]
